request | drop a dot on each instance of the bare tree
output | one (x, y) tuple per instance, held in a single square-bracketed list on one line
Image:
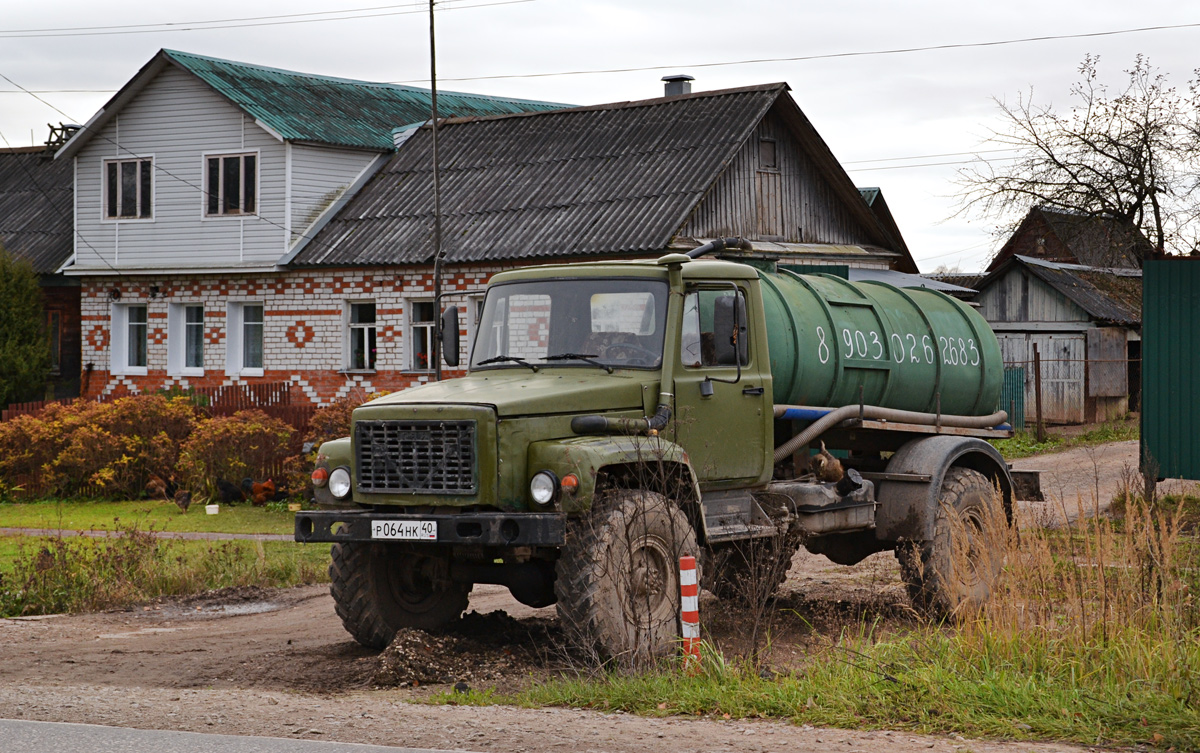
[(1129, 155)]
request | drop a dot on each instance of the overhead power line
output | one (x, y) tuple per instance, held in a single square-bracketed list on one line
[(832, 55), (210, 21), (748, 61), (927, 156), (928, 164), (242, 24)]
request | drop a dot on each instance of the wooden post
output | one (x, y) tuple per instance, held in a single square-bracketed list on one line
[(1037, 393)]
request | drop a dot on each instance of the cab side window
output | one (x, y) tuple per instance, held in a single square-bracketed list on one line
[(715, 328)]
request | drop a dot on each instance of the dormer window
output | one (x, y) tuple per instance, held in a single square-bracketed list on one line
[(230, 184), (129, 189)]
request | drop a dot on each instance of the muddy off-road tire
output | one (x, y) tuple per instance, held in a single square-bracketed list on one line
[(952, 575), (380, 588), (618, 575)]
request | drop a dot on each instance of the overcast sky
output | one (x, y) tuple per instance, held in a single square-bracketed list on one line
[(883, 115)]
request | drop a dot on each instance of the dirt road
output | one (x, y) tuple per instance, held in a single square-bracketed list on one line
[(1088, 478), (277, 663)]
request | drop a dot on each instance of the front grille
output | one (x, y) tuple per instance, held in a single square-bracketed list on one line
[(415, 457)]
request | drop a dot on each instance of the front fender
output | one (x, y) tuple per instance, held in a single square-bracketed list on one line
[(586, 457)]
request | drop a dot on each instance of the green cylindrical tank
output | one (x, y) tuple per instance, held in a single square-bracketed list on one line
[(904, 347)]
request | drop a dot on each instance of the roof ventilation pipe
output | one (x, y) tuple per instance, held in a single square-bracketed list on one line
[(680, 83)]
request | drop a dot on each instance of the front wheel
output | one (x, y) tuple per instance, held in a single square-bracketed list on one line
[(953, 574), (379, 589), (618, 576)]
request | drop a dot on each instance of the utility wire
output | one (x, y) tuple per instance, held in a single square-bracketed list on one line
[(750, 61), (930, 164), (833, 55), (928, 156), (216, 20), (10, 35)]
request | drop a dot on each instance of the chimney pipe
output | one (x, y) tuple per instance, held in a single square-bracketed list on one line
[(680, 83)]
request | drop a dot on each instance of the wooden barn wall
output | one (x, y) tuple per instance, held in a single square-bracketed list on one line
[(791, 203), (1018, 296), (1062, 356)]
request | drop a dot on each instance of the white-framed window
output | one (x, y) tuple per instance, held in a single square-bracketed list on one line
[(230, 184), (185, 339), (130, 331), (129, 189), (422, 319), (244, 339), (361, 335)]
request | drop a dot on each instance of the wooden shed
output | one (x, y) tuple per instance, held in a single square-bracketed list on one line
[(1084, 324)]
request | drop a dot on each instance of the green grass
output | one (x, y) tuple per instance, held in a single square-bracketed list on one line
[(927, 681), (1024, 443), (45, 575), (147, 513)]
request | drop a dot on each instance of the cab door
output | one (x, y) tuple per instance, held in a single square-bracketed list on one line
[(721, 401)]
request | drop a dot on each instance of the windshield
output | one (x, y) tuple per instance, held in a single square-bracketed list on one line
[(583, 322)]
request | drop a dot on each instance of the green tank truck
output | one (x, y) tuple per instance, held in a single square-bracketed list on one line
[(616, 415)]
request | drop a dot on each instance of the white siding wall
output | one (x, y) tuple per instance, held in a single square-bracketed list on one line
[(320, 176), (176, 119)]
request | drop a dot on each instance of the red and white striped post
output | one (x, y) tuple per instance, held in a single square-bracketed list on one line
[(689, 613)]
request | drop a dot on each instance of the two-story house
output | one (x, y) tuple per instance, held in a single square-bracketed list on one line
[(190, 186)]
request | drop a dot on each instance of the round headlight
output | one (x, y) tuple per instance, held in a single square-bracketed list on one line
[(543, 487), (339, 483)]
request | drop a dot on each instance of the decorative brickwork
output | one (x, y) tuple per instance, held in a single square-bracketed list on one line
[(303, 333)]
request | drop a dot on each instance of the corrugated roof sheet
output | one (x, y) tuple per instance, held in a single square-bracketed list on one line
[(966, 280), (903, 280), (617, 178), (328, 110), (1108, 295), (36, 207), (307, 107)]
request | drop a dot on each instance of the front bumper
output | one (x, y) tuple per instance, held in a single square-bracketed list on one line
[(488, 528)]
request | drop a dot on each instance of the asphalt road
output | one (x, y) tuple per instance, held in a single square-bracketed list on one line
[(52, 737)]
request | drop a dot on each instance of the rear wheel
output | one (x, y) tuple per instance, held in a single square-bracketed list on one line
[(378, 589), (953, 574), (618, 576)]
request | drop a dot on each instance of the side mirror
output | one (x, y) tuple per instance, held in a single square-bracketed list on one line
[(730, 331), (450, 336)]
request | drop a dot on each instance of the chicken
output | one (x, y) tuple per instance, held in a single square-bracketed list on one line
[(827, 468), (229, 493), (261, 494), (156, 488), (183, 498)]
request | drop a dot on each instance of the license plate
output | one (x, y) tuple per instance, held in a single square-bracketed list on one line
[(407, 530)]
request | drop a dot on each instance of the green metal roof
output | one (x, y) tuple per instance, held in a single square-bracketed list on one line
[(336, 111)]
